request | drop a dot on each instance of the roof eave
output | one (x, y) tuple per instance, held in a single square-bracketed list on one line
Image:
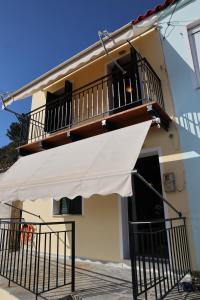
[(148, 24), (63, 64)]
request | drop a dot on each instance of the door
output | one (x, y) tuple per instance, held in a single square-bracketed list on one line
[(126, 91), (58, 109), (147, 206)]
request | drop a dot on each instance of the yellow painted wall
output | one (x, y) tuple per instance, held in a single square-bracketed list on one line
[(38, 99), (98, 230)]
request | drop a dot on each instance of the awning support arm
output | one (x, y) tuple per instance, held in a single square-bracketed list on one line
[(105, 34), (17, 115), (135, 173), (22, 210), (32, 214)]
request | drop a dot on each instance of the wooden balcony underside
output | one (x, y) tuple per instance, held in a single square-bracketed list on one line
[(94, 127)]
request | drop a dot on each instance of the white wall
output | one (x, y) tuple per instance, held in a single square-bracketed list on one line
[(186, 97)]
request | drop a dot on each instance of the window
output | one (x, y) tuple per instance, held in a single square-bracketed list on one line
[(194, 37), (58, 105), (66, 206)]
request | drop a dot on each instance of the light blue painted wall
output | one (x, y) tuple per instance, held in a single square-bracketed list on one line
[(186, 99)]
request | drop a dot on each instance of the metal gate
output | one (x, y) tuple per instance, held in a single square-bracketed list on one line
[(156, 269), (159, 251), (38, 256)]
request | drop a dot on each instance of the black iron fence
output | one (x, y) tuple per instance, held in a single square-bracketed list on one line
[(107, 95), (38, 256), (159, 256)]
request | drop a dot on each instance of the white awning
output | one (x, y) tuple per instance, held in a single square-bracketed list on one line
[(98, 165)]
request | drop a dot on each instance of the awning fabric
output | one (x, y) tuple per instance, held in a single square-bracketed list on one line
[(98, 165)]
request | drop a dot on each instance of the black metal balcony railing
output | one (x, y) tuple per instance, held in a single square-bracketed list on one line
[(107, 95)]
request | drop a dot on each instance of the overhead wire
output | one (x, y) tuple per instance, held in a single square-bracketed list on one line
[(169, 22)]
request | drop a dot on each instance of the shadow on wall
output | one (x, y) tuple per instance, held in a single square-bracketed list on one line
[(185, 95), (190, 121), (186, 98)]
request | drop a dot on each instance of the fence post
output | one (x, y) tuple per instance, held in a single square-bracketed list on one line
[(187, 245), (73, 257), (133, 260), (10, 249), (133, 240), (18, 231), (38, 262)]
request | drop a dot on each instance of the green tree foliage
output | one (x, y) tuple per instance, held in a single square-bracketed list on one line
[(8, 153), (14, 132)]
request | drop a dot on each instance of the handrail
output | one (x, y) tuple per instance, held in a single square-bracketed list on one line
[(108, 94), (91, 83), (157, 221), (22, 210), (135, 173), (11, 220)]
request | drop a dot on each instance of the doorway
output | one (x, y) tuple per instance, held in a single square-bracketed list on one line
[(147, 205), (124, 89)]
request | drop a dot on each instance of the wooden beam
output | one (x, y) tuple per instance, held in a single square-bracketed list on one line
[(24, 152), (107, 125), (47, 145), (73, 136), (101, 125)]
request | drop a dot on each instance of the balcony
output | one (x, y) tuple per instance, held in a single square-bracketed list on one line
[(113, 101)]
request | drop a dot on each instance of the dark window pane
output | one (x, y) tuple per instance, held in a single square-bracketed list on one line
[(73, 207)]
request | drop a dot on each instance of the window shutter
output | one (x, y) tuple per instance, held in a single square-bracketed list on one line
[(64, 206), (58, 114), (68, 94), (72, 207), (76, 206), (135, 78), (49, 124)]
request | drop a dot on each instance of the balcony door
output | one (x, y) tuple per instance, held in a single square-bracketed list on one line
[(125, 91), (58, 109)]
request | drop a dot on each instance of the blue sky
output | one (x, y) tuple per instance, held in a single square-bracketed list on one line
[(36, 35)]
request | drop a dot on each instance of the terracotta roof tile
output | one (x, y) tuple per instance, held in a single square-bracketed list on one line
[(153, 11)]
